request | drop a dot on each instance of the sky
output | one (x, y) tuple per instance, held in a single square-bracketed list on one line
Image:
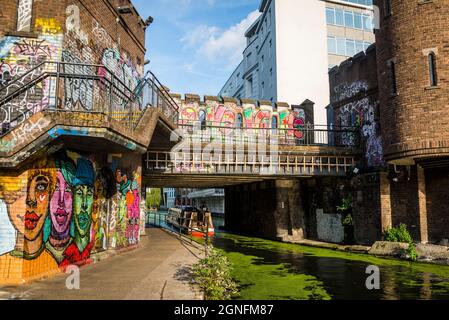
[(195, 45)]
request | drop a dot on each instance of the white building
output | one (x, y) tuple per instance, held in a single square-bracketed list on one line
[(293, 44), (169, 197), (214, 199)]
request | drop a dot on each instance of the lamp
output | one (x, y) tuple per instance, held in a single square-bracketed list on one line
[(124, 10), (149, 21)]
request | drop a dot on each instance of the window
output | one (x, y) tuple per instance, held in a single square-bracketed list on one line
[(358, 23), (330, 15), (332, 45), (24, 15), (339, 18), (249, 87), (341, 46), (349, 19), (394, 88), (350, 47), (433, 69), (248, 60), (271, 48), (368, 23)]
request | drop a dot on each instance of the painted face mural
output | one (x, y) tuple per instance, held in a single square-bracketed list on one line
[(61, 206), (40, 188), (83, 201)]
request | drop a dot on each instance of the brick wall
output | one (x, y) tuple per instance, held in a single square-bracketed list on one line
[(354, 103)]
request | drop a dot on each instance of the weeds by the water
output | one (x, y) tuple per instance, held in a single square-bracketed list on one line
[(213, 275)]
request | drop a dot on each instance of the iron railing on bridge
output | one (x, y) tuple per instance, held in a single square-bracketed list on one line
[(278, 164), (307, 135), (84, 88)]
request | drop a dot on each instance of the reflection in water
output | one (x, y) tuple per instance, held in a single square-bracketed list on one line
[(269, 270)]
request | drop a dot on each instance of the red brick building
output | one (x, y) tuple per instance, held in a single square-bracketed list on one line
[(397, 93)]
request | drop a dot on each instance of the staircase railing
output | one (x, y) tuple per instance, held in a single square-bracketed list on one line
[(84, 88)]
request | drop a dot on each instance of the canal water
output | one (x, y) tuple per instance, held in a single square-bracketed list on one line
[(268, 270)]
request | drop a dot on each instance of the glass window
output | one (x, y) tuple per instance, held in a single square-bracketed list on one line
[(350, 47), (367, 22), (331, 45), (341, 47), (433, 69), (366, 45), (358, 24), (359, 46), (339, 18), (349, 19), (330, 15)]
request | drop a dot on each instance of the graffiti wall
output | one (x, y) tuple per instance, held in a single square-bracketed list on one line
[(63, 209), (87, 42), (246, 116), (360, 113), (18, 58)]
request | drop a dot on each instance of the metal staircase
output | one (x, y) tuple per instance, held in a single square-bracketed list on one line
[(85, 88)]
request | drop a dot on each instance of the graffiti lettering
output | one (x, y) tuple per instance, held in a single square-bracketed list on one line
[(24, 14)]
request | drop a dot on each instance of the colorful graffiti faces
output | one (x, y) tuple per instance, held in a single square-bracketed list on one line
[(64, 212)]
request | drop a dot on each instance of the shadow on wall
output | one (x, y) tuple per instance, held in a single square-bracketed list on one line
[(63, 209)]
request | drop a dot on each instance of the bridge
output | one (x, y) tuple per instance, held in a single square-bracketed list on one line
[(55, 97)]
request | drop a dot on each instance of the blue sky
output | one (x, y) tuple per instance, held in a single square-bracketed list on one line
[(194, 45)]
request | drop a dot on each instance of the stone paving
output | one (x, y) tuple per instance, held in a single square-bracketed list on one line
[(160, 269)]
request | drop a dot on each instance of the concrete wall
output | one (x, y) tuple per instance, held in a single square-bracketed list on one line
[(65, 207), (329, 227)]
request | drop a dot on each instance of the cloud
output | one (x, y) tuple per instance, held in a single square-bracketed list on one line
[(223, 47)]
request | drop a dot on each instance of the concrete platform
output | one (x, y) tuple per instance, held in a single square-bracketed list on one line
[(159, 269)]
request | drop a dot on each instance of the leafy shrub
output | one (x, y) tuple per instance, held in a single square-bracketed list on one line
[(213, 275), (401, 234)]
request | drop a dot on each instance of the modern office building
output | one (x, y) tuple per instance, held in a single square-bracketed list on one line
[(293, 44)]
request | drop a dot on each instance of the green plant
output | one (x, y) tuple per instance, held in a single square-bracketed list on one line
[(401, 234), (213, 275), (154, 198), (346, 210)]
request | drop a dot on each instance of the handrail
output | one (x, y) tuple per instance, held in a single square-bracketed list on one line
[(130, 100)]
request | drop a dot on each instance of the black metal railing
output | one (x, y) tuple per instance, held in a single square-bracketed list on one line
[(181, 229), (307, 135), (86, 88)]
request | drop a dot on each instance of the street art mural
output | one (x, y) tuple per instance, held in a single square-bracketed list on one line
[(246, 117), (24, 15), (362, 115), (19, 58), (58, 213)]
